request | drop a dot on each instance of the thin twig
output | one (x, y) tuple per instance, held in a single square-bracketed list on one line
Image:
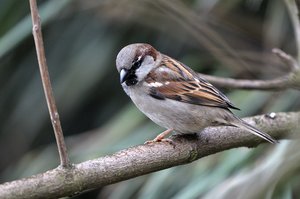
[(38, 39), (144, 159), (274, 84), (287, 59), (290, 80)]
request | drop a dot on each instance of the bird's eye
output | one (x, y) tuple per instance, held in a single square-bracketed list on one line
[(137, 63)]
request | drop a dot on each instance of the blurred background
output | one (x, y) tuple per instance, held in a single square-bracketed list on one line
[(82, 38)]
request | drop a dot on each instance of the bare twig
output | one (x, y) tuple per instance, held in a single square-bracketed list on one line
[(290, 80), (38, 39), (143, 159), (274, 84), (287, 59)]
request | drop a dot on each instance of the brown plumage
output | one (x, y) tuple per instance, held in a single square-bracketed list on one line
[(180, 83)]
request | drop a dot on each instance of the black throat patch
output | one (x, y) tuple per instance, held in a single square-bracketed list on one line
[(131, 78)]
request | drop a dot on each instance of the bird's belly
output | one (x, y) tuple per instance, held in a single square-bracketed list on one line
[(171, 114)]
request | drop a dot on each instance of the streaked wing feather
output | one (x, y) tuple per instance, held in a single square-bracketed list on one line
[(188, 88)]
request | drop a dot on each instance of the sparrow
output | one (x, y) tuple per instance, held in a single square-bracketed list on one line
[(172, 95)]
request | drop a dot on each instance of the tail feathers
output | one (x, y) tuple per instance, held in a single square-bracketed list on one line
[(244, 125)]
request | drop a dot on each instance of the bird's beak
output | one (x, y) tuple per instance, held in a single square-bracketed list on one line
[(123, 75)]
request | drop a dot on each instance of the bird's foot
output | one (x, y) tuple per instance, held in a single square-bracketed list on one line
[(161, 138)]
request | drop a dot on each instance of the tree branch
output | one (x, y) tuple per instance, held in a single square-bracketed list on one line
[(40, 51), (144, 159), (274, 84), (290, 80)]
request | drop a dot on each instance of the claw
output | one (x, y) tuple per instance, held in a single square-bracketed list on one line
[(161, 138)]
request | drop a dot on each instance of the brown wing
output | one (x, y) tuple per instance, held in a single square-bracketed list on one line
[(180, 83)]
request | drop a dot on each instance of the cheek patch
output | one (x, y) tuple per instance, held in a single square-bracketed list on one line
[(147, 65)]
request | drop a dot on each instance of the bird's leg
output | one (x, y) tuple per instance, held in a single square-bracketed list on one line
[(161, 137)]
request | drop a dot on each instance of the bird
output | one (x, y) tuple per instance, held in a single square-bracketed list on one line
[(173, 96)]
